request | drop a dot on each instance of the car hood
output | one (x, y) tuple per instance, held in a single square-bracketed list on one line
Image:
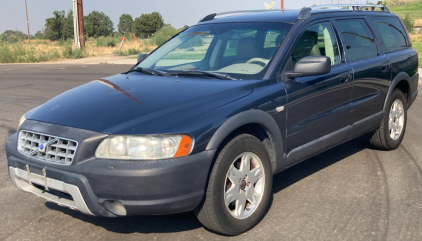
[(137, 103)]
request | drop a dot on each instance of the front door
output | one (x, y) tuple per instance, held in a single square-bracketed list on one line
[(317, 105)]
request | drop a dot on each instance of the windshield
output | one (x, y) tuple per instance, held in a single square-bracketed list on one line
[(239, 50)]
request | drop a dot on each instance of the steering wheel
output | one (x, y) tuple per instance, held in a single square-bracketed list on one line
[(259, 61)]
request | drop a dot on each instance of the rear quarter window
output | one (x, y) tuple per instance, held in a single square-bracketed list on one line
[(392, 33)]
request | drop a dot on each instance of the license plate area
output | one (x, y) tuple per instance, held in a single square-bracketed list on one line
[(38, 179)]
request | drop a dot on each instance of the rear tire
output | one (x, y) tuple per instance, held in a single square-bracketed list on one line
[(393, 126), (238, 193)]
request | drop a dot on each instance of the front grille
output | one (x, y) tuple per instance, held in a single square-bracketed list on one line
[(47, 148)]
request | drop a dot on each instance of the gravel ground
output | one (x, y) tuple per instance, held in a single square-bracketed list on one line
[(350, 192)]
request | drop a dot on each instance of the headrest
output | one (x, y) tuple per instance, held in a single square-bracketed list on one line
[(246, 48), (279, 38)]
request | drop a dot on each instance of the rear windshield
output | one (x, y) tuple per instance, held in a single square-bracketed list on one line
[(392, 33), (241, 50)]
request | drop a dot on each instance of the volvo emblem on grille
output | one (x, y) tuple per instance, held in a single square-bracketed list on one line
[(42, 146)]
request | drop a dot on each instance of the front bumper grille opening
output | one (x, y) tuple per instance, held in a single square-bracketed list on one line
[(47, 148), (54, 192)]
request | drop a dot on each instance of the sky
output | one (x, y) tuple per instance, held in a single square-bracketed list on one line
[(175, 12)]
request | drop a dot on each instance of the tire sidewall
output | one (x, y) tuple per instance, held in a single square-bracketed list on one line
[(239, 146), (393, 144)]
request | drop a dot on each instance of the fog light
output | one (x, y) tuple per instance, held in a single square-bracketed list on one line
[(115, 207), (119, 207)]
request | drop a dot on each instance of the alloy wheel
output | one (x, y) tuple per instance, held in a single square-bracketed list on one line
[(244, 186)]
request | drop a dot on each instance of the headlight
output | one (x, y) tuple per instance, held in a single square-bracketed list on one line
[(144, 147), (22, 119)]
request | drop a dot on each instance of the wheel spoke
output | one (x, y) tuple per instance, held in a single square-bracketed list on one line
[(245, 165), (240, 206), (256, 173), (400, 112), (234, 174), (390, 124), (253, 197), (231, 195)]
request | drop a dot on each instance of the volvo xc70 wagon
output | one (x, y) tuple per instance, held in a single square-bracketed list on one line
[(203, 122)]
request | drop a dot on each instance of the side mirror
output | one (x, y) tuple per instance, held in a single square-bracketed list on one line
[(311, 65), (142, 57)]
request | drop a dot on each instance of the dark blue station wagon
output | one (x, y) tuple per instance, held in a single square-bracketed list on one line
[(204, 121)]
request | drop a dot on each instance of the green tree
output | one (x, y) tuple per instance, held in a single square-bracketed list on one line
[(39, 35), (68, 31), (54, 26), (125, 24), (98, 24), (148, 24), (12, 36), (409, 22)]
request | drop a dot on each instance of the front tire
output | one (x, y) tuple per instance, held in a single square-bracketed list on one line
[(391, 132), (239, 187)]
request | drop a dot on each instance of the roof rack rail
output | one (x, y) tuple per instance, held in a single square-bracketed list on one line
[(304, 13), (213, 15), (354, 7)]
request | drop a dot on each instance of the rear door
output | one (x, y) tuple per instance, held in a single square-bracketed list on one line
[(394, 41), (372, 71), (317, 105)]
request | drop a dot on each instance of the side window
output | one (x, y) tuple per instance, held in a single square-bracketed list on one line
[(358, 38), (391, 32), (317, 40)]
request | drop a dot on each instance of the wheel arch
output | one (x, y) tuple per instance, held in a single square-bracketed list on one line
[(402, 82), (261, 125)]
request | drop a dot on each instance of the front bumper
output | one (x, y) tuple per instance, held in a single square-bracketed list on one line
[(143, 187)]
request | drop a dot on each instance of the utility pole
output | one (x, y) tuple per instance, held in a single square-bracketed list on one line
[(27, 22), (282, 6), (81, 24), (75, 24)]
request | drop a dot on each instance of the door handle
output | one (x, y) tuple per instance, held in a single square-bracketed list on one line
[(385, 68), (345, 78)]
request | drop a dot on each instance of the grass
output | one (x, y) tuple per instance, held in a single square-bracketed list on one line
[(45, 50), (413, 9), (418, 48), (130, 51)]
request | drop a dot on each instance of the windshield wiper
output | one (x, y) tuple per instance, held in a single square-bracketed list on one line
[(211, 74), (147, 71)]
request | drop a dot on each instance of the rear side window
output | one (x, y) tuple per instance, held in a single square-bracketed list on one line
[(358, 38), (392, 33)]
